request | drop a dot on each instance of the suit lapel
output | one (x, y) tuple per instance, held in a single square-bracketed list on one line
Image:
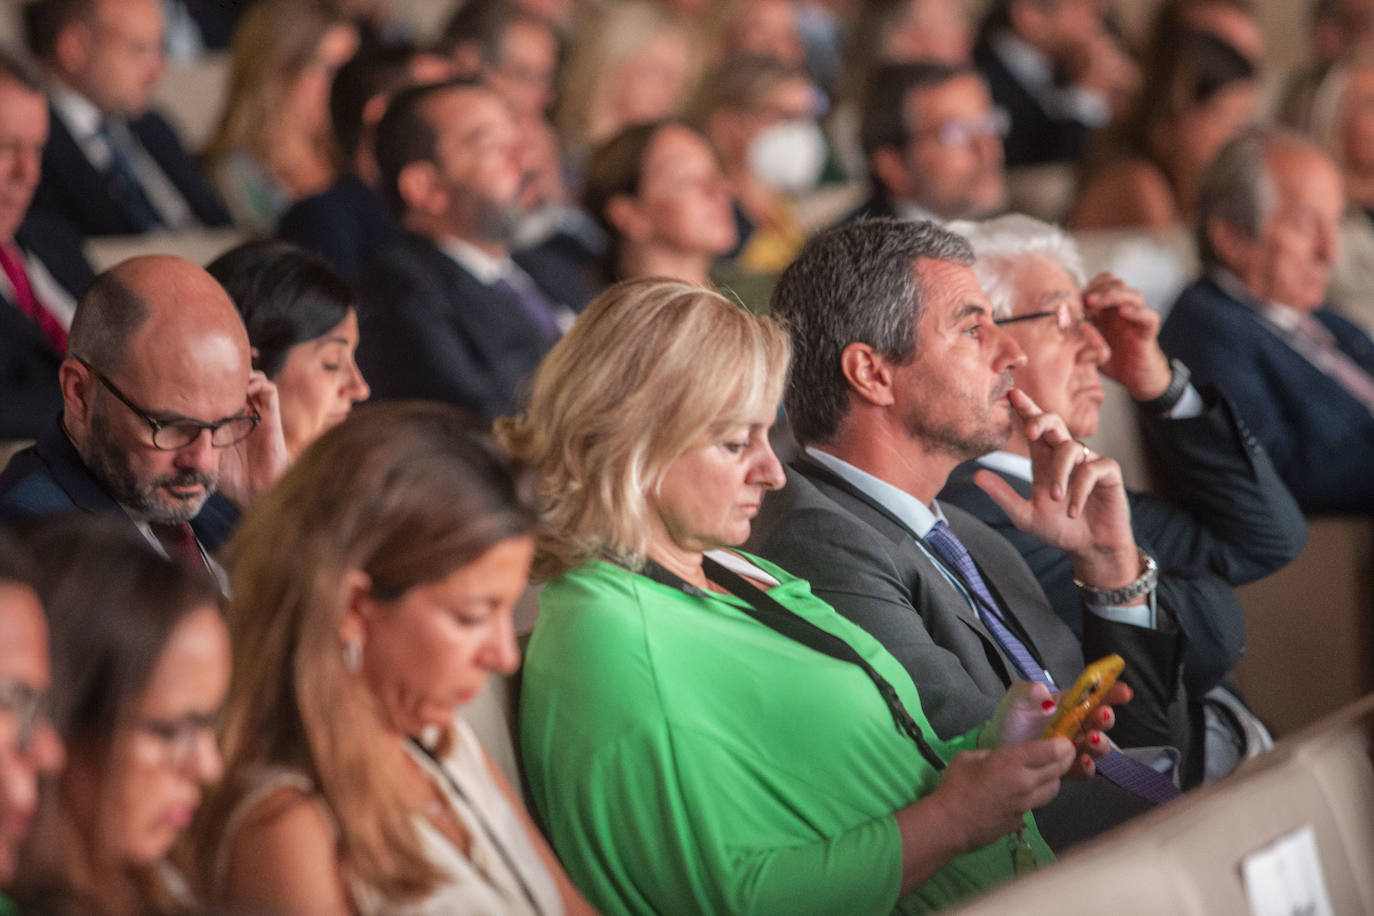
[(899, 531)]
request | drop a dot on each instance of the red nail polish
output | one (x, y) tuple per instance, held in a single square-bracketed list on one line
[(1095, 738), (1047, 705)]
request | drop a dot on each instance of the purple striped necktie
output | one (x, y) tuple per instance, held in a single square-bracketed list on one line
[(1126, 772)]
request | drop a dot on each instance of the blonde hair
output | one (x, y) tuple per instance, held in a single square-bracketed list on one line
[(646, 370), (406, 493), (272, 46), (604, 43)]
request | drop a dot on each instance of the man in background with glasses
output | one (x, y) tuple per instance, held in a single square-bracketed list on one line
[(162, 411), (1240, 522), (29, 747), (933, 142)]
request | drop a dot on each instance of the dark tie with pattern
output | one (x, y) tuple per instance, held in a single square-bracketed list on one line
[(179, 541), (12, 262), (1126, 772), (537, 306)]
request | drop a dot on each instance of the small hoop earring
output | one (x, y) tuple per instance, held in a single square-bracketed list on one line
[(353, 656)]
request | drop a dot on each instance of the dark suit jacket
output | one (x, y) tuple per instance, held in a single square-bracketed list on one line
[(428, 329), (877, 206), (72, 189), (49, 478), (866, 563), (1320, 438), (29, 393), (346, 224), (1035, 136), (1229, 521)]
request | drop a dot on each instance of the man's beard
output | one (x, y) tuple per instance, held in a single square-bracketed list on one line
[(111, 467), (947, 438), (498, 222)]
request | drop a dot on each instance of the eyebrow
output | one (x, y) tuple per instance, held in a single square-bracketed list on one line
[(968, 309), (1054, 297)]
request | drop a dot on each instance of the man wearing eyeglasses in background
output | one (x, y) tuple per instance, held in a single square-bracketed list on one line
[(1240, 522), (933, 142), (161, 412), (29, 747)]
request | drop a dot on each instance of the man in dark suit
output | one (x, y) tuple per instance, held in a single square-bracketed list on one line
[(933, 142), (42, 269), (448, 313), (1056, 71), (349, 222), (899, 376), (157, 386), (112, 166), (1301, 376), (1227, 521)]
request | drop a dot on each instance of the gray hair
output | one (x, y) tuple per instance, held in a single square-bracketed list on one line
[(1001, 243), (1238, 187), (855, 283)]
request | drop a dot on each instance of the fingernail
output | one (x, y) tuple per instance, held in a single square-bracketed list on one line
[(1095, 738), (1047, 705)]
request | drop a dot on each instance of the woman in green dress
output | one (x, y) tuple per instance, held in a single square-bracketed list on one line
[(701, 733)]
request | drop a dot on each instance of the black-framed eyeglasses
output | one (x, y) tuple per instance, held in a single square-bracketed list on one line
[(1069, 324), (171, 435), (179, 737), (30, 708)]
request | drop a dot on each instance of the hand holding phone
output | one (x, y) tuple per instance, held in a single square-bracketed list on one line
[(1078, 705)]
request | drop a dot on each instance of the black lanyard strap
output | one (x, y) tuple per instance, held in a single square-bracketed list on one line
[(765, 609)]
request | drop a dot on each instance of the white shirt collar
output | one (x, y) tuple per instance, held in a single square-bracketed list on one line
[(1018, 466), (914, 212), (1285, 316), (79, 113), (915, 514), (475, 261)]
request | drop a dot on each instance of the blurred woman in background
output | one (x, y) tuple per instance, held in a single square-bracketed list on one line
[(658, 192), (1197, 94), (273, 145), (140, 667)]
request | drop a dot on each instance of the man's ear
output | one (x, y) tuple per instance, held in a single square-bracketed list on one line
[(889, 170), (420, 188), (78, 390), (623, 212), (71, 47), (1229, 243), (869, 375)]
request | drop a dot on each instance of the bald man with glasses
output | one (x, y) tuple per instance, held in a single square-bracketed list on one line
[(164, 420)]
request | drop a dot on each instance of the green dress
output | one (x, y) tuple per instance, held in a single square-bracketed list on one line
[(685, 758)]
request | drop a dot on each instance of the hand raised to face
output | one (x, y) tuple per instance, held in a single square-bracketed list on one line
[(1131, 329), (1078, 500)]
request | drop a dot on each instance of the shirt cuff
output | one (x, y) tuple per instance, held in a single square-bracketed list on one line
[(1189, 405), (1136, 615)]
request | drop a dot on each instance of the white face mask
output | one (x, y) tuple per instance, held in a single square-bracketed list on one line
[(788, 157)]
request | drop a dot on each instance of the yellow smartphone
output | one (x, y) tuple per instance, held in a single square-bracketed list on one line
[(1082, 701)]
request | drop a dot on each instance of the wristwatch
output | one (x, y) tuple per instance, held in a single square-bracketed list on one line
[(1115, 597), (1178, 383)]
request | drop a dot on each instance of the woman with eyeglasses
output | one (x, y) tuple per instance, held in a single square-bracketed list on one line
[(140, 669)]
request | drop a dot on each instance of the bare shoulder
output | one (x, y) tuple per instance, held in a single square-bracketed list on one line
[(285, 856)]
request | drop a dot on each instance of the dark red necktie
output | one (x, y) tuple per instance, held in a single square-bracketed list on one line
[(12, 262), (179, 541)]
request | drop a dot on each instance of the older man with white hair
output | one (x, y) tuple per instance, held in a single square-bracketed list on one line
[(1239, 524)]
